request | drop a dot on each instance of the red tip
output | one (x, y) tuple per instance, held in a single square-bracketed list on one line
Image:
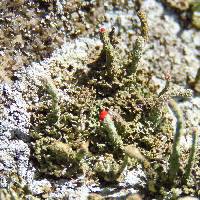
[(102, 30), (168, 76), (102, 115)]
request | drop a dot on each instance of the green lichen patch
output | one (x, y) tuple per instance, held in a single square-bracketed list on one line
[(134, 126), (16, 189), (57, 158)]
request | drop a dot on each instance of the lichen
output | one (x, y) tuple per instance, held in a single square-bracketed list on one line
[(192, 155), (135, 126), (16, 189), (57, 158), (32, 30), (195, 84), (180, 5), (190, 8), (175, 155), (196, 12)]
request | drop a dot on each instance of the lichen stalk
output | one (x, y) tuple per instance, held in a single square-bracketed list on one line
[(197, 78), (138, 47), (167, 84), (114, 137), (175, 155), (144, 25), (108, 48), (196, 83), (53, 92), (136, 55), (192, 154)]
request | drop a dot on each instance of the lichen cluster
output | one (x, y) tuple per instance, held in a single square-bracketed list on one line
[(190, 9), (69, 138), (16, 189), (32, 30)]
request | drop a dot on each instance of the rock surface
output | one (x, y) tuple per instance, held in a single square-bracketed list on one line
[(170, 48)]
